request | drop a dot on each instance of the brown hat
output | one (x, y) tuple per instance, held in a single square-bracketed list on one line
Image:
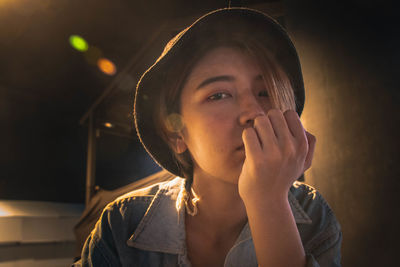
[(223, 22)]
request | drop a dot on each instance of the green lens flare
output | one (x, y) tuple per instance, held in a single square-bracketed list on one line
[(78, 43), (174, 122)]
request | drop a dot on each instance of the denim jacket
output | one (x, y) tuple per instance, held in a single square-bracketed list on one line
[(145, 228)]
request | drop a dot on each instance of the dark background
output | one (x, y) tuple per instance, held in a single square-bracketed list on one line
[(350, 58)]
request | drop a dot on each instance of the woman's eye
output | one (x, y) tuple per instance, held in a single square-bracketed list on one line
[(263, 93), (217, 96)]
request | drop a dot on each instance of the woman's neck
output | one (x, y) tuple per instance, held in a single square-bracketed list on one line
[(220, 206)]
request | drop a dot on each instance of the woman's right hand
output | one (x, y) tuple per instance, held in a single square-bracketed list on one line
[(278, 150)]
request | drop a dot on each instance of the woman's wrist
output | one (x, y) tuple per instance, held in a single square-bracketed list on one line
[(271, 205), (274, 231), (264, 197)]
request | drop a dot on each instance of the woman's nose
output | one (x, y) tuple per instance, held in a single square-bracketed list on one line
[(249, 110)]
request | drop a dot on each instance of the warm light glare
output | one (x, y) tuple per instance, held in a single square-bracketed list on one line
[(108, 125), (106, 66), (5, 211), (174, 122), (78, 43)]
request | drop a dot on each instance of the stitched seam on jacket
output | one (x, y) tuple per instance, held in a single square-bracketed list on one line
[(331, 231), (149, 213)]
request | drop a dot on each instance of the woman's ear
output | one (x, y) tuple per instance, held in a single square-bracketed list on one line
[(177, 143), (180, 145)]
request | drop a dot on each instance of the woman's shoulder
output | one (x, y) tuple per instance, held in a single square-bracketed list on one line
[(126, 212), (303, 192), (323, 231), (310, 199), (138, 200)]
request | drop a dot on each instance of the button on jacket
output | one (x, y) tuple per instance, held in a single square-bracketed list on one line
[(146, 228)]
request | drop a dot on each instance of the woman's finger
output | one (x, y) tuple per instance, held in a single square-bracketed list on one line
[(252, 146), (265, 132), (311, 147), (294, 124), (279, 126)]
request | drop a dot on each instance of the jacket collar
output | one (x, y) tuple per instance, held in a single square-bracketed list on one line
[(162, 228)]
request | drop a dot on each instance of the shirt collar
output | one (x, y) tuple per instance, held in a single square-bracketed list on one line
[(162, 228)]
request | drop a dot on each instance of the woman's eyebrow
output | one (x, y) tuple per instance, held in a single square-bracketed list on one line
[(207, 81)]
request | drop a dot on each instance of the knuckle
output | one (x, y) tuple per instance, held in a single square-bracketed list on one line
[(311, 137), (274, 112), (290, 114), (303, 147), (247, 132), (260, 121)]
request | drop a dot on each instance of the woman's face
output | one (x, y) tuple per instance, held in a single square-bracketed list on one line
[(222, 95)]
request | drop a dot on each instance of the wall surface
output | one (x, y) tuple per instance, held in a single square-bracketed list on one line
[(350, 59), (37, 233)]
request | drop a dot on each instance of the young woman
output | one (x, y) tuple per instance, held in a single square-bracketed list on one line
[(219, 111)]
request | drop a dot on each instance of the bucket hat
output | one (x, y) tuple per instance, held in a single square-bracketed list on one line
[(225, 22)]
